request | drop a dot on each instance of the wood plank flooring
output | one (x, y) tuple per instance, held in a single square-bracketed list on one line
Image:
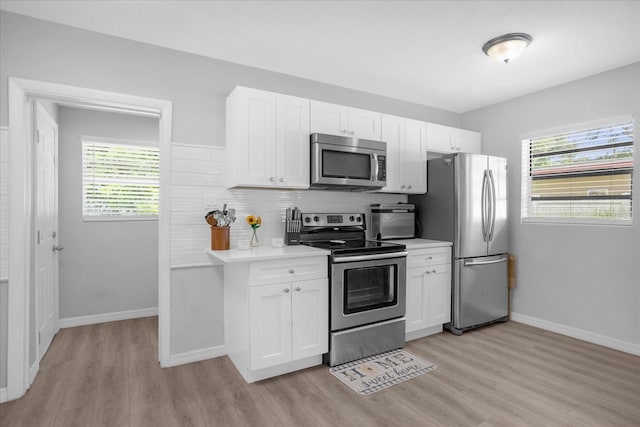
[(503, 375)]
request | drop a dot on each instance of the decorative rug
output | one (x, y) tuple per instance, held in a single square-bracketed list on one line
[(375, 373)]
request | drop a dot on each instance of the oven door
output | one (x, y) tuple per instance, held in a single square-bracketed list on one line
[(367, 289)]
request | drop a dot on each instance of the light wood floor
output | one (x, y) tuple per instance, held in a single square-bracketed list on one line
[(503, 375)]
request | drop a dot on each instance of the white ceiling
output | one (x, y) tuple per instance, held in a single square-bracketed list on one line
[(428, 52)]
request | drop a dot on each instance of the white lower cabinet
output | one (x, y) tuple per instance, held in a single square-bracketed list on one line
[(287, 321), (276, 315), (428, 288)]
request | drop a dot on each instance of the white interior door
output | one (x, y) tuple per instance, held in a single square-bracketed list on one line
[(46, 228)]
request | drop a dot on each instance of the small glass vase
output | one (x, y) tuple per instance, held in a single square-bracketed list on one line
[(254, 243)]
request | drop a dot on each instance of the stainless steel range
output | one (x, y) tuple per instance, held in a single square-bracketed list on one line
[(367, 286)]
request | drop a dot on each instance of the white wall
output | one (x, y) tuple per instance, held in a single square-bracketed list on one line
[(576, 276), (197, 86), (106, 266)]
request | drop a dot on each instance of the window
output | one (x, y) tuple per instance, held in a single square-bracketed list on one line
[(120, 179), (580, 176)]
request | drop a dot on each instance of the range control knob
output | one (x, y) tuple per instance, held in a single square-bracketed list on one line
[(352, 218), (307, 219), (316, 218), (359, 219)]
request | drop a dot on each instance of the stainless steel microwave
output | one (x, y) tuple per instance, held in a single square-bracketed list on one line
[(352, 164)]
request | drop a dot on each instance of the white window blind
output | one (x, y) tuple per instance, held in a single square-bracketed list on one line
[(581, 176), (119, 180)]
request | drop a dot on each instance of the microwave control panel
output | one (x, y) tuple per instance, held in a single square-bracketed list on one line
[(382, 168)]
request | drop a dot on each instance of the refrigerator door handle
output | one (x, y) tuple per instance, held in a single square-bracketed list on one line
[(492, 205), (469, 263), (483, 208)]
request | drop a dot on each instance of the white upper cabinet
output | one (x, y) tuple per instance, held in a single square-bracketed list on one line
[(267, 139), (445, 139), (406, 155), (336, 119)]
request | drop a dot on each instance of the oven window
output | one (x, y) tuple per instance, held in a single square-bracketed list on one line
[(339, 164), (369, 288)]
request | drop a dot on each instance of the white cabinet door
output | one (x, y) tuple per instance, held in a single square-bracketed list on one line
[(393, 135), (465, 141), (269, 325), (292, 142), (339, 120), (310, 318), (438, 138), (417, 300), (439, 291), (415, 156), (364, 124), (445, 139), (328, 118), (406, 155), (254, 142)]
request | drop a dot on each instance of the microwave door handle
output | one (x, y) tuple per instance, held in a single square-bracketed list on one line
[(374, 166)]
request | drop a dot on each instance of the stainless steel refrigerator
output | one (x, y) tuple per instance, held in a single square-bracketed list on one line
[(466, 204)]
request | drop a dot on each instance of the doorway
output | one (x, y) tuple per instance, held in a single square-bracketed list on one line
[(21, 328)]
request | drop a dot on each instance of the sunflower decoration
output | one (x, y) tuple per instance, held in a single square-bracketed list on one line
[(254, 222)]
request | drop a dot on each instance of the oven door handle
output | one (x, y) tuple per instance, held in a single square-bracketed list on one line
[(391, 255)]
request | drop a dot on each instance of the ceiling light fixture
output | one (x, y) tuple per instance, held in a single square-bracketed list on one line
[(506, 48)]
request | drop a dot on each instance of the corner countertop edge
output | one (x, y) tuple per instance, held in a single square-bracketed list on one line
[(262, 253)]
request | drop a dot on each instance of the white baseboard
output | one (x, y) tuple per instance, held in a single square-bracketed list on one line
[(421, 333), (33, 371), (71, 322), (616, 344), (196, 355), (3, 394)]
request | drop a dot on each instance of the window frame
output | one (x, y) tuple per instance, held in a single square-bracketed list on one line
[(526, 181), (115, 141)]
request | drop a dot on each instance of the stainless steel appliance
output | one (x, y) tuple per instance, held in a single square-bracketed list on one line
[(466, 203), (393, 221), (367, 286), (341, 163)]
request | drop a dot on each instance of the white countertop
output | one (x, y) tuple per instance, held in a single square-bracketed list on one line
[(265, 252), (421, 243)]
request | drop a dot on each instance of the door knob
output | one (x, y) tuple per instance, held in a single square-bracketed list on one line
[(286, 290), (298, 288), (57, 248)]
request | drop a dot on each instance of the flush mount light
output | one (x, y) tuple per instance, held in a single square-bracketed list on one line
[(506, 48)]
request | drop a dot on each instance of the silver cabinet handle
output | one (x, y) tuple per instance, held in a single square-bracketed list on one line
[(57, 248), (291, 270), (345, 131), (281, 180), (351, 133), (286, 290), (409, 187), (429, 257), (434, 271), (402, 186), (298, 288), (272, 179)]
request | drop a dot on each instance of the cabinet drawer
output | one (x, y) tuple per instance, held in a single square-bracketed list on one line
[(287, 270), (427, 257)]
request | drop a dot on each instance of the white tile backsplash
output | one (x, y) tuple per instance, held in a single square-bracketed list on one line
[(197, 186)]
